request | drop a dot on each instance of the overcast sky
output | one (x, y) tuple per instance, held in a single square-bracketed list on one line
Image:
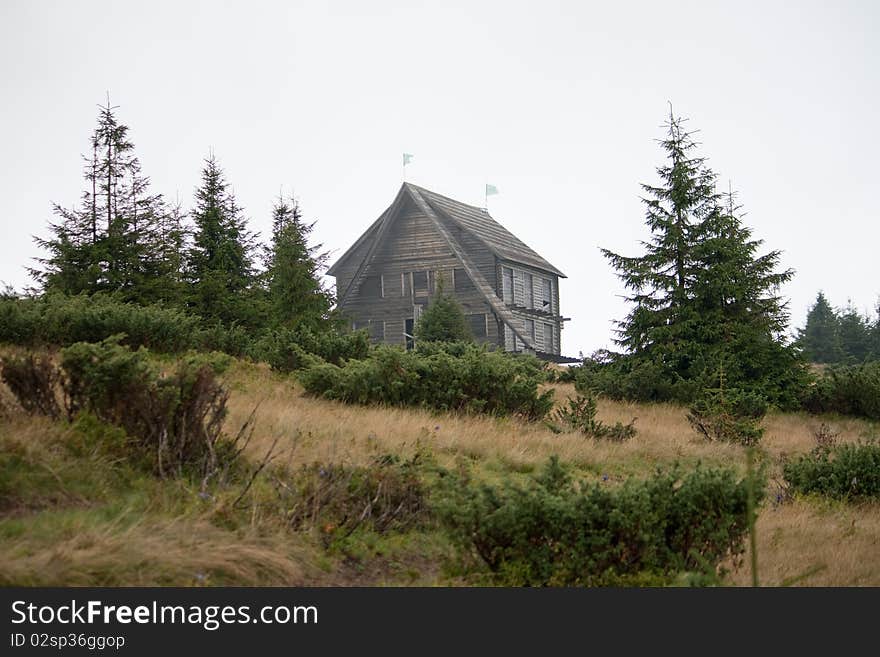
[(558, 104)]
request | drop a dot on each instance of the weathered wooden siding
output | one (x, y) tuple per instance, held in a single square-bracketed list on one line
[(411, 244)]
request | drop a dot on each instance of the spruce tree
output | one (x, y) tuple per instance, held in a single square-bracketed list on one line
[(658, 280), (220, 265), (443, 320), (702, 298), (740, 318), (820, 338), (106, 243), (297, 296), (855, 334)]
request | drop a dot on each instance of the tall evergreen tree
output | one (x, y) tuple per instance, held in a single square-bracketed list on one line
[(738, 313), (220, 261), (106, 243), (820, 338), (297, 296), (702, 299), (855, 334), (658, 280)]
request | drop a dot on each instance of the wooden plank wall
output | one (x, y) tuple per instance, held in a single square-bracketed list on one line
[(412, 244)]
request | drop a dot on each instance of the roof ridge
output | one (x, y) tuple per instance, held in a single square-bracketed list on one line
[(449, 198)]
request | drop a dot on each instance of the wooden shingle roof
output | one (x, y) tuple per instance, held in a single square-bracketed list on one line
[(474, 220), (478, 222)]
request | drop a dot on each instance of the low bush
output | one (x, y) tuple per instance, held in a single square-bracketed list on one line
[(730, 416), (553, 532), (477, 381), (337, 499), (59, 320), (289, 350), (632, 380), (579, 414), (175, 418), (848, 390), (844, 471)]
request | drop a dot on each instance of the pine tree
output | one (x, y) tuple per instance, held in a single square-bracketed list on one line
[(701, 295), (297, 296), (220, 261), (659, 279), (106, 243), (443, 320), (820, 338), (739, 316), (855, 334)]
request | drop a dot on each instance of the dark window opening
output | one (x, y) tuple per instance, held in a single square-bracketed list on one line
[(371, 287), (478, 325), (420, 282), (463, 282)]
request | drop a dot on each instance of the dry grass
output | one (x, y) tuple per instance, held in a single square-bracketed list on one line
[(149, 553), (831, 545), (64, 533), (815, 543), (317, 430)]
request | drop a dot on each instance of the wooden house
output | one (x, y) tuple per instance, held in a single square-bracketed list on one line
[(509, 293)]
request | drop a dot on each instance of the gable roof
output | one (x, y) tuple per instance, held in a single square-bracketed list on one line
[(374, 234), (476, 221)]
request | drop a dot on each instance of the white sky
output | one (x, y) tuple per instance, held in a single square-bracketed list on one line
[(558, 104)]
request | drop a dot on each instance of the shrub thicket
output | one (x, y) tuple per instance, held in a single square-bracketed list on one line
[(174, 418), (288, 350), (59, 320), (730, 416), (552, 532), (476, 381), (844, 471), (338, 499), (848, 390)]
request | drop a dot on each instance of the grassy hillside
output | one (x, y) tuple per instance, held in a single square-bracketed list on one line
[(74, 510)]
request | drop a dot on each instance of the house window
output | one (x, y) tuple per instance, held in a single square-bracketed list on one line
[(478, 325), (528, 291), (530, 329), (377, 330), (507, 285), (420, 282), (357, 326), (463, 282), (371, 288), (548, 338), (546, 295)]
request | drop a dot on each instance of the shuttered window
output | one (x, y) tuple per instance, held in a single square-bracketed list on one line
[(528, 291), (548, 338), (463, 282), (371, 288), (478, 325)]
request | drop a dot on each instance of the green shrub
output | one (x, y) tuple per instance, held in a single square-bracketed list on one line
[(730, 416), (174, 418), (334, 498), (579, 414), (289, 350), (848, 390), (36, 383), (640, 381), (477, 381), (555, 533), (844, 471), (56, 319)]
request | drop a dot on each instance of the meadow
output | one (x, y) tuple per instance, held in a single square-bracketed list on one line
[(73, 512)]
